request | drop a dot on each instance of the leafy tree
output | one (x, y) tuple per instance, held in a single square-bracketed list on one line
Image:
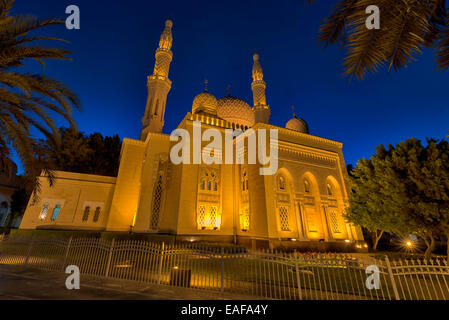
[(92, 154), (403, 189), (367, 205), (19, 201), (406, 27), (28, 100)]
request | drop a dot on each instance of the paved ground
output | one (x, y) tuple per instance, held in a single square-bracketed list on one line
[(17, 282)]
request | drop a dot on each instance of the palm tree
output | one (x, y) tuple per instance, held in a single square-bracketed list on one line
[(28, 101), (406, 26)]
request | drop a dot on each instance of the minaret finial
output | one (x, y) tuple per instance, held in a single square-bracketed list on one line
[(229, 90), (293, 110), (205, 85)]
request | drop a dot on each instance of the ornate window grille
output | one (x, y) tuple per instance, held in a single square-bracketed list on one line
[(157, 199), (245, 219), (283, 217), (201, 217), (334, 222), (214, 219)]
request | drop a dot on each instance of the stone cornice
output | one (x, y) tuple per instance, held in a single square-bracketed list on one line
[(294, 133)]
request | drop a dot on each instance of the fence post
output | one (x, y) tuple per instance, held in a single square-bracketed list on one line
[(161, 258), (393, 282), (111, 249), (30, 248), (297, 275), (222, 269), (66, 253)]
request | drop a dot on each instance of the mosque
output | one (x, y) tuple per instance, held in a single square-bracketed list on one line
[(301, 205)]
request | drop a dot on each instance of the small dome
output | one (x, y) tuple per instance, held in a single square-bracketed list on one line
[(297, 124), (235, 110), (205, 102)]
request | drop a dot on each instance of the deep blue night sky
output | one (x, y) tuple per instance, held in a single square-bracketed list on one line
[(114, 53)]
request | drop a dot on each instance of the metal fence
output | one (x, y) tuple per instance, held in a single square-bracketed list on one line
[(265, 274)]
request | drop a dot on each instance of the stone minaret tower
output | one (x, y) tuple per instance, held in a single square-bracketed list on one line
[(261, 109), (158, 85)]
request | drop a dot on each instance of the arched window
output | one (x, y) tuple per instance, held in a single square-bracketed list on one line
[(281, 183), (215, 186), (97, 214), (203, 185), (209, 185), (44, 212), (86, 213), (306, 186), (156, 109), (55, 214), (157, 198), (329, 190)]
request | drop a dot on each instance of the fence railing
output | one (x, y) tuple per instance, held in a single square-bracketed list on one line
[(266, 274)]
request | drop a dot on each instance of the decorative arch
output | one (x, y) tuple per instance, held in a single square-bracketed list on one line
[(335, 208), (310, 207), (334, 188), (285, 210)]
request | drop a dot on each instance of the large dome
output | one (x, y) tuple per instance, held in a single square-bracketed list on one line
[(297, 124), (205, 102), (235, 110)]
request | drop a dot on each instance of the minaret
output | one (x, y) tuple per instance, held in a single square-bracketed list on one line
[(158, 85), (261, 109)]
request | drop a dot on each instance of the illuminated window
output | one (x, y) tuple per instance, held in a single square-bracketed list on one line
[(306, 186), (244, 181), (329, 189), (55, 214), (44, 212), (154, 223), (245, 219), (283, 217), (281, 183), (156, 111), (97, 214), (86, 213)]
